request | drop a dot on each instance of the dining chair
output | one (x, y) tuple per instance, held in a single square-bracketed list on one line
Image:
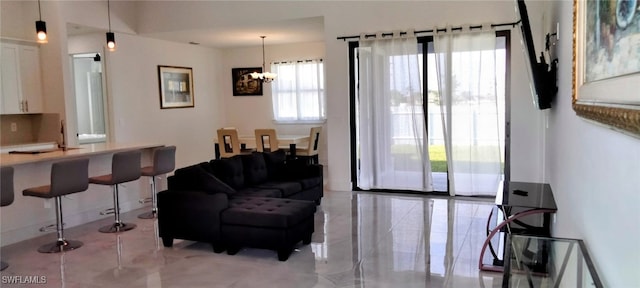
[(266, 140), (229, 143), (311, 151)]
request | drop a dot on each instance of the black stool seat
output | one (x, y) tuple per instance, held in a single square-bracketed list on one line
[(270, 223)]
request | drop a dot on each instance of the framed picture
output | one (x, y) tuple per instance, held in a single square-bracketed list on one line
[(176, 87), (243, 84), (606, 63)]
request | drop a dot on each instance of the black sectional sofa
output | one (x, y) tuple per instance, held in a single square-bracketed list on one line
[(262, 198)]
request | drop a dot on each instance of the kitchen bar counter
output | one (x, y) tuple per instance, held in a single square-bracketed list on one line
[(22, 219), (7, 159)]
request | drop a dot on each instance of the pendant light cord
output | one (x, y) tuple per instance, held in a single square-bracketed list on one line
[(263, 63), (109, 14), (39, 10)]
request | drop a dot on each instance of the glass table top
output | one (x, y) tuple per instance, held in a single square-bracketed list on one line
[(548, 262)]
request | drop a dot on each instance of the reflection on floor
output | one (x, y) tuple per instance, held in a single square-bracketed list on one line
[(361, 240)]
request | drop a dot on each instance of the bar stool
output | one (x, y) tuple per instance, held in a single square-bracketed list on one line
[(6, 195), (125, 167), (67, 177), (164, 161)]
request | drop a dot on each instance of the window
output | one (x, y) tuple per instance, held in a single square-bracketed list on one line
[(298, 92)]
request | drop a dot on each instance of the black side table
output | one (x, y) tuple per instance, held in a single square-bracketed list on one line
[(531, 198)]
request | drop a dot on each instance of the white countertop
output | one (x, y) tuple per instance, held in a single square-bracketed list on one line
[(29, 147), (7, 159)]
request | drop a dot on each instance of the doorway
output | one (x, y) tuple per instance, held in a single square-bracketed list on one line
[(89, 95)]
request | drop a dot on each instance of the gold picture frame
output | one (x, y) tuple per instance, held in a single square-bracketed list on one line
[(612, 99), (176, 87)]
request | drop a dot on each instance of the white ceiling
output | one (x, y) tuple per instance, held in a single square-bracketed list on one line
[(243, 35), (236, 34)]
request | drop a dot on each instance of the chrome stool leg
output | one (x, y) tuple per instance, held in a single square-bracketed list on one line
[(61, 244), (154, 202), (117, 226)]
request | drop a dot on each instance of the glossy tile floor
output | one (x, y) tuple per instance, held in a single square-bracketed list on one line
[(361, 240)]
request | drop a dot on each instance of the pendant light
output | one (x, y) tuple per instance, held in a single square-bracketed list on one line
[(41, 27), (111, 38), (265, 76)]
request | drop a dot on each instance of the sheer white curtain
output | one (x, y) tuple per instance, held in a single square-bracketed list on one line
[(391, 137), (298, 92), (466, 65)]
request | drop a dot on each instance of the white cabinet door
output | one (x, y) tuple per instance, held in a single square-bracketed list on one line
[(10, 78), (31, 79), (21, 90)]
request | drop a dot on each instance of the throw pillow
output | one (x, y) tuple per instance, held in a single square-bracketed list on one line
[(275, 163), (255, 169), (210, 183), (186, 178), (229, 170)]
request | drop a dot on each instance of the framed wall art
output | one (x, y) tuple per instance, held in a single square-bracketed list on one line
[(243, 84), (606, 63), (176, 87)]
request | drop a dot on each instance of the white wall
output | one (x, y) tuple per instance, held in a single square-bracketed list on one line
[(137, 117), (595, 176)]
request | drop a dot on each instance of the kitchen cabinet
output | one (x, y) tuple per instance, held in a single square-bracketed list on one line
[(21, 91)]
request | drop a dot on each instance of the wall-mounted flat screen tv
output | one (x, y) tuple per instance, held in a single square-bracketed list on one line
[(542, 76)]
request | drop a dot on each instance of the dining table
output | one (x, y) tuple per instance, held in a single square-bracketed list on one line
[(249, 141)]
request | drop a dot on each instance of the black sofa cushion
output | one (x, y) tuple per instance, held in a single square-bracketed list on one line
[(286, 188), (267, 212), (258, 192), (255, 168), (230, 171), (310, 182)]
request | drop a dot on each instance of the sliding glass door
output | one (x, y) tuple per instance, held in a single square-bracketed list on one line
[(407, 138), (390, 125)]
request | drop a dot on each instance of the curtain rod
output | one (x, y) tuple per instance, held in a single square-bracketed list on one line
[(513, 24), (298, 61)]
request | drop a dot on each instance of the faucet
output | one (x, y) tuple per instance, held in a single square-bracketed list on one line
[(62, 146)]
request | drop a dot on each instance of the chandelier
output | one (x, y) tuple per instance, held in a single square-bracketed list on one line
[(265, 76)]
